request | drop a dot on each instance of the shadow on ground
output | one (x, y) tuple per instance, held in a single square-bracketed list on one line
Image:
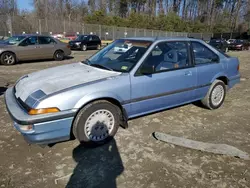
[(43, 60), (2, 90), (96, 167)]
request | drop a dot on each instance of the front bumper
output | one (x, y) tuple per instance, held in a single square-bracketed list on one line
[(46, 128), (75, 46)]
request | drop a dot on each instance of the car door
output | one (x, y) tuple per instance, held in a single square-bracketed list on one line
[(208, 66), (91, 42), (171, 82), (28, 49), (46, 46)]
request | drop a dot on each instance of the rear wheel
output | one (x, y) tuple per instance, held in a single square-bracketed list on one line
[(97, 122), (215, 96), (59, 55), (8, 58)]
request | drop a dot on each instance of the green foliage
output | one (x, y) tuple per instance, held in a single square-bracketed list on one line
[(169, 22)]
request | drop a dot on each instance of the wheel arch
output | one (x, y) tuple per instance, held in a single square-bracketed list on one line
[(97, 97), (221, 77), (9, 52)]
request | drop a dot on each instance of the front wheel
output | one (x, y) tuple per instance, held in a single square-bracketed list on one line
[(215, 95), (97, 122), (84, 47), (8, 58)]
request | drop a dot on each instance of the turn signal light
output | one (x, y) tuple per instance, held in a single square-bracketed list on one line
[(43, 111)]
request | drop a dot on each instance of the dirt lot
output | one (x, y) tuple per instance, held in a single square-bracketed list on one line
[(134, 158)]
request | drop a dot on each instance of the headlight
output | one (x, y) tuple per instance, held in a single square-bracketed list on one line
[(78, 43), (238, 45), (43, 111)]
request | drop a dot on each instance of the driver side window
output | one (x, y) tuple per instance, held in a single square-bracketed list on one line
[(29, 41), (166, 56)]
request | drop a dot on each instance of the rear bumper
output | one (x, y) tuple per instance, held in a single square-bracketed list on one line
[(234, 80), (47, 128)]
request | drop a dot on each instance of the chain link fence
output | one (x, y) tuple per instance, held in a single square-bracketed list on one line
[(18, 25)]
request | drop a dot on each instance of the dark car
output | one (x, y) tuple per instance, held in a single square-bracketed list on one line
[(84, 42), (220, 44), (239, 44)]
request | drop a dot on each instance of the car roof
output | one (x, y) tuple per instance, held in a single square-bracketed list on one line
[(31, 35), (155, 39)]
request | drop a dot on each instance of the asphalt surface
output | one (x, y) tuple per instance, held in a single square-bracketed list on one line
[(134, 158)]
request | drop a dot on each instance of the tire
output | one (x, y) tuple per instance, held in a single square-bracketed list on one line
[(86, 129), (84, 47), (98, 47), (59, 55), (241, 49), (226, 50), (8, 58), (210, 101)]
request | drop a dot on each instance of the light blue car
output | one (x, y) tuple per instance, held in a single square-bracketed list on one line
[(89, 100)]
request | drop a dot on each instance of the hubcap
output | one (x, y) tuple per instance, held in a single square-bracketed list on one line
[(8, 59), (58, 55), (217, 95), (99, 125)]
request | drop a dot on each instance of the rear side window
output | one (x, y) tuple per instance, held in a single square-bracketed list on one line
[(203, 55), (46, 40), (96, 38)]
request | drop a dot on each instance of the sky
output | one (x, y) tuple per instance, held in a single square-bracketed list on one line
[(24, 4)]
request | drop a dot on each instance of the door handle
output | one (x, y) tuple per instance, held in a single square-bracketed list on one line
[(188, 73)]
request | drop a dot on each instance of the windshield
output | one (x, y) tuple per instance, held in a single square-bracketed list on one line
[(14, 40), (82, 37), (121, 60)]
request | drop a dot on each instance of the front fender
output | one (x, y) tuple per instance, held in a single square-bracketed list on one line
[(95, 96)]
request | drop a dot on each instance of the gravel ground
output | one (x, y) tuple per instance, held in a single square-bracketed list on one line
[(134, 158)]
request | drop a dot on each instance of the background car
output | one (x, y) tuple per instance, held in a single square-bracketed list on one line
[(230, 41), (84, 42), (122, 48), (220, 44), (239, 44), (32, 47)]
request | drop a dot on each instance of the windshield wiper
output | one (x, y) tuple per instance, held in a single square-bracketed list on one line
[(101, 66), (86, 61)]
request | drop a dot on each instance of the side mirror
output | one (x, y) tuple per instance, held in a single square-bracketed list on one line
[(147, 70), (215, 59)]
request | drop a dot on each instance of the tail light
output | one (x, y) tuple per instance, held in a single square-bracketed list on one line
[(238, 67)]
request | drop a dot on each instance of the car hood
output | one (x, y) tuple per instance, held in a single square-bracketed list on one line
[(74, 41), (4, 45), (55, 79)]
